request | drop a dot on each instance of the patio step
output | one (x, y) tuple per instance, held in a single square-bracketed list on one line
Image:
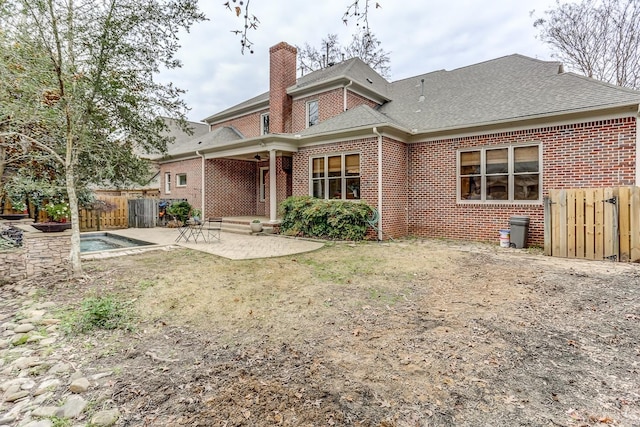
[(231, 227)]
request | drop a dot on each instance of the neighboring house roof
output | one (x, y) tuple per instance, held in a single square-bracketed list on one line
[(179, 135), (211, 139)]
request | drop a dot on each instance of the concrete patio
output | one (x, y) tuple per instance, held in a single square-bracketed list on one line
[(231, 245)]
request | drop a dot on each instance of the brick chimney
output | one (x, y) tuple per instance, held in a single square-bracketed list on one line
[(282, 74)]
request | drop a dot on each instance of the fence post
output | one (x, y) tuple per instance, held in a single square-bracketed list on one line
[(547, 226)]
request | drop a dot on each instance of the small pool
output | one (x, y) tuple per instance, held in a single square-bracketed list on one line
[(105, 241)]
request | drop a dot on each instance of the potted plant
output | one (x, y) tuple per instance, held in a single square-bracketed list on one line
[(20, 209), (58, 215), (256, 226), (195, 214)]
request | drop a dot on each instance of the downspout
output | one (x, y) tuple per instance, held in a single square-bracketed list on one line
[(345, 95), (202, 186), (375, 131)]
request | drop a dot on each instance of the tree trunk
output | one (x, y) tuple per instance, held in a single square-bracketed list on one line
[(74, 256)]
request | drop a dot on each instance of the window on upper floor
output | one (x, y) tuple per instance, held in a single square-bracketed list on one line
[(335, 177), (313, 115), (264, 124), (167, 182), (181, 180), (509, 174)]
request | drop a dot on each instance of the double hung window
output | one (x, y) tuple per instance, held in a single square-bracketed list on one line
[(167, 182), (264, 124), (313, 114)]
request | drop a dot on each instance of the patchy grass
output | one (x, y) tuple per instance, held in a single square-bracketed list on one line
[(99, 312)]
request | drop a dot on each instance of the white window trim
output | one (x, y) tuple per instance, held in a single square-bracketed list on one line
[(167, 182), (178, 175), (307, 114), (262, 188), (262, 130), (343, 178), (483, 175)]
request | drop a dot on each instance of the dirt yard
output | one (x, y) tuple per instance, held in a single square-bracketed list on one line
[(413, 333)]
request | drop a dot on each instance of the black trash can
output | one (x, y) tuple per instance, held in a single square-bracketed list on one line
[(519, 230)]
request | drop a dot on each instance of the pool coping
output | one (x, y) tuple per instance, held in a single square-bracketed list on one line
[(129, 250)]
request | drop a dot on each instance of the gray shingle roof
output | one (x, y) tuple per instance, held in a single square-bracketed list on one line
[(256, 101), (352, 69), (508, 88), (360, 116)]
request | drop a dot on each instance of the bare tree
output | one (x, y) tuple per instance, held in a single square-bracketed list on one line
[(364, 45), (357, 10), (598, 38), (312, 58)]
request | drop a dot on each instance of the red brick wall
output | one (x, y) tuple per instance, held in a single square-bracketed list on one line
[(231, 187), (248, 125), (282, 74), (192, 191), (330, 104), (353, 100), (593, 154), (394, 188)]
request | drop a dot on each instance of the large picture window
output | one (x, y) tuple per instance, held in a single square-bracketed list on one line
[(336, 177), (500, 174)]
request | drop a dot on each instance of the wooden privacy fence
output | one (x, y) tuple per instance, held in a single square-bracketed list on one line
[(96, 220), (143, 213), (593, 223)]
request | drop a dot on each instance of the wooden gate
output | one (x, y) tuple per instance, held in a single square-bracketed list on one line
[(143, 213), (593, 223), (114, 217)]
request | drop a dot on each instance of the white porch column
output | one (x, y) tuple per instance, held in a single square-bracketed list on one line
[(273, 197)]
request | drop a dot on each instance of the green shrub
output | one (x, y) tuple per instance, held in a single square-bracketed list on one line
[(328, 219), (180, 210)]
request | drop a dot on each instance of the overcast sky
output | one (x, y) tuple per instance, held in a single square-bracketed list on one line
[(420, 36)]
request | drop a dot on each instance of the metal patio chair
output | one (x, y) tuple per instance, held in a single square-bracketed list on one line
[(214, 226)]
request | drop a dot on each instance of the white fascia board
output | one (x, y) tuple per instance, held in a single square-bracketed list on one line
[(315, 90), (525, 123), (250, 148), (249, 109)]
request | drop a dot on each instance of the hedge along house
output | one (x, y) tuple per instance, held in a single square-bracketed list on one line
[(446, 154)]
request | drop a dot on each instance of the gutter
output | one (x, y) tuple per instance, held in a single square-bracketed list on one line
[(345, 95), (375, 131), (201, 185)]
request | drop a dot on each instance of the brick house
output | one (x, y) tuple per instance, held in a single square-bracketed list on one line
[(445, 154)]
